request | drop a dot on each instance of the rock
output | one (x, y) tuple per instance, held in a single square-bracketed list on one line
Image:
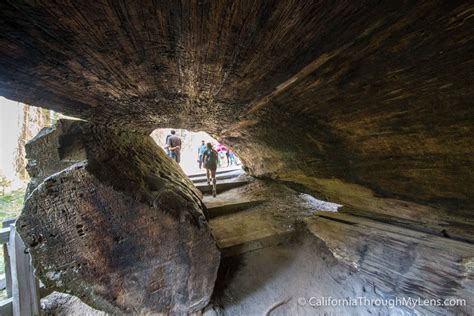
[(124, 229)]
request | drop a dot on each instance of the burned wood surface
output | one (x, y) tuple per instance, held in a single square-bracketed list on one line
[(122, 229), (401, 263), (375, 95)]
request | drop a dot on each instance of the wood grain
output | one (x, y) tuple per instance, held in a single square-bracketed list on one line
[(375, 94), (123, 229)]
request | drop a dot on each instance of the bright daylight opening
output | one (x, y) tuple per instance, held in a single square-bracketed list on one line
[(191, 147)]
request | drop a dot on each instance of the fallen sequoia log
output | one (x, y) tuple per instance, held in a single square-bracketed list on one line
[(400, 263), (120, 227)]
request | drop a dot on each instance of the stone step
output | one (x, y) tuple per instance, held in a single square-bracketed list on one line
[(221, 171), (247, 231), (221, 186), (220, 209), (223, 176)]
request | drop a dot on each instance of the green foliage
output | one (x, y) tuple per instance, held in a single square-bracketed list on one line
[(4, 183), (11, 203), (10, 206)]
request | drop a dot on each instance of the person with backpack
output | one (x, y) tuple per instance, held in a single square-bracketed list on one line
[(210, 158)]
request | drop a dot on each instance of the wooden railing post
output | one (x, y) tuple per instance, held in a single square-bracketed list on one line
[(26, 300), (6, 305), (6, 260)]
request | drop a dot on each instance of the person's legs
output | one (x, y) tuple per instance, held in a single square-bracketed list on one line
[(214, 189), (207, 174), (213, 174), (177, 155)]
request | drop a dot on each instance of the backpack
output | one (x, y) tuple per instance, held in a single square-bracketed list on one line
[(211, 157)]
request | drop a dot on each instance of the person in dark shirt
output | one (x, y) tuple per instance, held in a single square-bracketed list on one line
[(174, 146), (210, 158)]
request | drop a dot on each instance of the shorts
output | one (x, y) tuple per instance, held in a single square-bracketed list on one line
[(210, 165), (176, 156)]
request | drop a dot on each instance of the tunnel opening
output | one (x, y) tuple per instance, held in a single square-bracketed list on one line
[(191, 150), (231, 173)]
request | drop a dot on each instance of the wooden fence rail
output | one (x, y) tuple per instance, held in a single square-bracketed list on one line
[(21, 285)]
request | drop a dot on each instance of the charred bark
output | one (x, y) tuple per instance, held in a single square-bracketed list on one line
[(122, 227)]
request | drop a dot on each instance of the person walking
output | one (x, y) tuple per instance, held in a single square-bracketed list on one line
[(174, 146), (231, 157), (201, 150), (210, 158)]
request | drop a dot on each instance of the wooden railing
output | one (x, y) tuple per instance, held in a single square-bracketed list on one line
[(19, 281)]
